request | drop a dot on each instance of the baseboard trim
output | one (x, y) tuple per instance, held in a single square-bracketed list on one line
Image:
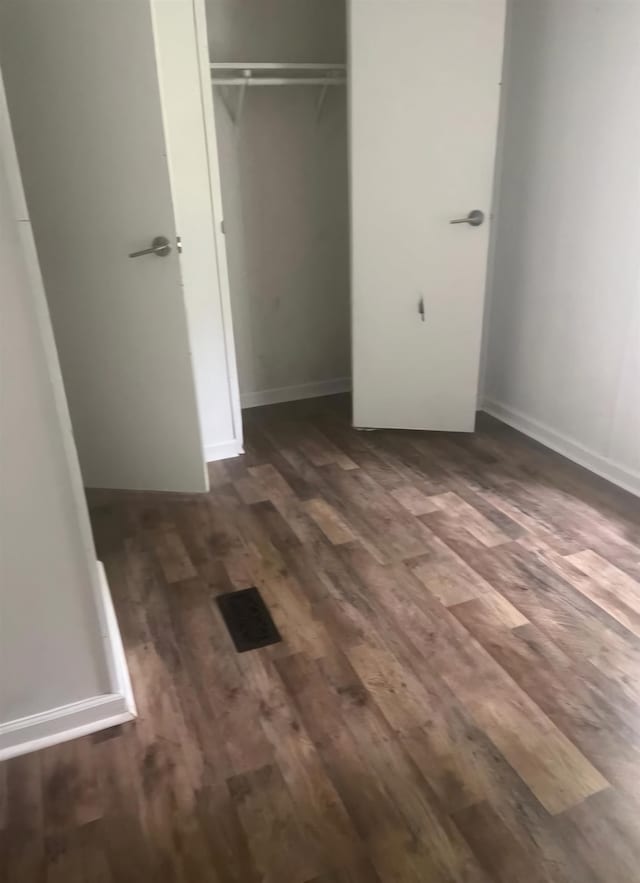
[(562, 444), (293, 393), (62, 724), (116, 657), (223, 451), (66, 722)]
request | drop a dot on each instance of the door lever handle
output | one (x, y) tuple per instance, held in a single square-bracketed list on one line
[(159, 247), (474, 218)]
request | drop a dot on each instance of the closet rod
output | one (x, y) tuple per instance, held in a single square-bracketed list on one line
[(278, 81), (274, 66)]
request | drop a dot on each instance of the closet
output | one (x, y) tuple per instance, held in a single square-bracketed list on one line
[(356, 145), (278, 70)]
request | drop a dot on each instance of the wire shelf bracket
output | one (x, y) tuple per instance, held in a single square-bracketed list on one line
[(244, 75)]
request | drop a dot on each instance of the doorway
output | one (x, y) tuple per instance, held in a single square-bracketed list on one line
[(278, 72)]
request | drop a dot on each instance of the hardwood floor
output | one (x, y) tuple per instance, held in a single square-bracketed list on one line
[(456, 697)]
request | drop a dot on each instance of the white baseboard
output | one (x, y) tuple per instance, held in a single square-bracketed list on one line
[(603, 466), (62, 724), (90, 715), (116, 657), (222, 451), (293, 393)]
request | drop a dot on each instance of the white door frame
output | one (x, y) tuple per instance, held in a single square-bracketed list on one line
[(116, 703), (208, 113), (187, 161)]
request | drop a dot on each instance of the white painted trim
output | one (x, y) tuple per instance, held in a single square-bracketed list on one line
[(614, 472), (215, 187), (496, 199), (223, 450), (62, 724), (40, 308), (292, 393), (9, 160), (90, 715), (108, 709), (116, 658)]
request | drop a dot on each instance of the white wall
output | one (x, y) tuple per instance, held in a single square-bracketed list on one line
[(563, 343), (284, 189), (53, 623)]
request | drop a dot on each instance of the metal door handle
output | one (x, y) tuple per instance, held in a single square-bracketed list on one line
[(474, 218), (159, 247)]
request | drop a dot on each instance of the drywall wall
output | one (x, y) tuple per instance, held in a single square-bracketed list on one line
[(52, 645), (563, 353), (284, 192)]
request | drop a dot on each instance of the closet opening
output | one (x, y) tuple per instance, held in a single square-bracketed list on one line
[(278, 78)]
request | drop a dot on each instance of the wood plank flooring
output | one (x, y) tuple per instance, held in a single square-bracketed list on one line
[(456, 697)]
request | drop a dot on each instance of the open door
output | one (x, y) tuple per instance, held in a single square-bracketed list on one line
[(424, 97), (85, 92)]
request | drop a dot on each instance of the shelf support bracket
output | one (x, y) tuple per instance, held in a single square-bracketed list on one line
[(227, 105), (247, 74), (321, 100)]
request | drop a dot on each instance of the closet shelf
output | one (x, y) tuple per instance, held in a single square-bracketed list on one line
[(261, 74)]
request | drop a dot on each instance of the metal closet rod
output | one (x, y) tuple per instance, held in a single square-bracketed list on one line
[(278, 81), (248, 69), (274, 66)]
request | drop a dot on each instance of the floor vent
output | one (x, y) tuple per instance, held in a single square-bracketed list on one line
[(248, 620)]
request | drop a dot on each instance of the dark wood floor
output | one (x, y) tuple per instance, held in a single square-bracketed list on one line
[(456, 697)]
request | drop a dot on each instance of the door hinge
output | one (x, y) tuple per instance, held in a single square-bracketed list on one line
[(179, 244), (224, 232)]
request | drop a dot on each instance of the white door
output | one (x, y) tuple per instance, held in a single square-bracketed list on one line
[(88, 103), (424, 96)]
